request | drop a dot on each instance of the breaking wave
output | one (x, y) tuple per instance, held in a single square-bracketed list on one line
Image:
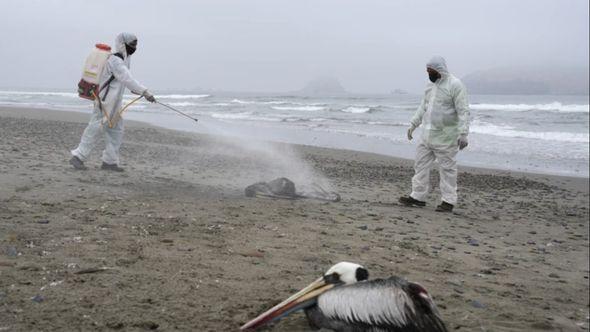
[(239, 101), (40, 93), (358, 109), (555, 107), (232, 116), (307, 108), (271, 102), (177, 96), (507, 131), (248, 116)]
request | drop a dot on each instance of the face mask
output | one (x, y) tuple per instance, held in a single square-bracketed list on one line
[(433, 76), (130, 49)]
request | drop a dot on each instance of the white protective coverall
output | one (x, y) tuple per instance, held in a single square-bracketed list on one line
[(444, 116), (112, 97)]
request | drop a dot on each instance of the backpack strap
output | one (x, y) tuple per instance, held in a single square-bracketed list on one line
[(107, 84)]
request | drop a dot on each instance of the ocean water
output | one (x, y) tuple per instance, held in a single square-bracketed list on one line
[(541, 134)]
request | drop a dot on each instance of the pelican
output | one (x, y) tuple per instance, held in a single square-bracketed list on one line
[(344, 300)]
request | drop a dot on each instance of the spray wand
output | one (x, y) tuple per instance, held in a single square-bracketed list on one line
[(177, 111)]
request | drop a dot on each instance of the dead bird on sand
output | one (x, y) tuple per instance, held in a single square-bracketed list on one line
[(285, 189)]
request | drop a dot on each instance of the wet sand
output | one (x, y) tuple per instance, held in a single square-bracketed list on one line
[(173, 243)]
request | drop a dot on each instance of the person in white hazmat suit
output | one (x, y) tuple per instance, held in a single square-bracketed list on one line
[(444, 116), (113, 81)]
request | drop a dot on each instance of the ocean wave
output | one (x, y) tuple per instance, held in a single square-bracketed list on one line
[(277, 102), (40, 93), (555, 106), (307, 108), (272, 102), (361, 109), (376, 135), (248, 116), (22, 104), (507, 131), (52, 106), (239, 101), (180, 96), (232, 116), (75, 95), (391, 124), (319, 119), (375, 122), (184, 104), (293, 119), (356, 110)]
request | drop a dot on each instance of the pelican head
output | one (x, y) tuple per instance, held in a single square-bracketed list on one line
[(343, 273)]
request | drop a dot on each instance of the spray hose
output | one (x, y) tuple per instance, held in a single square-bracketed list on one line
[(104, 113), (120, 113), (113, 122), (177, 111)]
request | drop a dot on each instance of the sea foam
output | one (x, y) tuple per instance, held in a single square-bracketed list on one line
[(177, 96), (555, 106), (507, 131), (307, 108), (356, 110)]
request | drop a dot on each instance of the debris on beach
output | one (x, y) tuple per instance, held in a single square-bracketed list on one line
[(92, 270), (38, 298), (285, 189)]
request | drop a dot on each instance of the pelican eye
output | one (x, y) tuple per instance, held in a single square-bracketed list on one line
[(333, 278), (361, 274)]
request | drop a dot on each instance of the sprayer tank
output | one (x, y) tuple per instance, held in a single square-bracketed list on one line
[(95, 62)]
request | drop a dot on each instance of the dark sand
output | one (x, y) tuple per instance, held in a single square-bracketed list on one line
[(177, 246)]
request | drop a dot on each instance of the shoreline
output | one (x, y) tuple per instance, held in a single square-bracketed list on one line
[(580, 183), (472, 158)]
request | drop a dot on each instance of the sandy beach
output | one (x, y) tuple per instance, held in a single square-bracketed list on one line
[(174, 244)]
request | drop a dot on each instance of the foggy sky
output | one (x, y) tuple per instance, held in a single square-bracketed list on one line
[(277, 46)]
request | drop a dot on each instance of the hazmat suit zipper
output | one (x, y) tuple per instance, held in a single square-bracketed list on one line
[(428, 122)]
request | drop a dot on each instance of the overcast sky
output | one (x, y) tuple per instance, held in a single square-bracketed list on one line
[(275, 45)]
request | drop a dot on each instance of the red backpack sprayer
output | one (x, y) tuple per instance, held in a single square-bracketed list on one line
[(89, 86)]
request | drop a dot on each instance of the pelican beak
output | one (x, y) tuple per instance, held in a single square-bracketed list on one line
[(302, 299)]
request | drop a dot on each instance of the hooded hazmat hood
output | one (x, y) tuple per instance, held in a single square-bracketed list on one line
[(439, 64), (122, 39)]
